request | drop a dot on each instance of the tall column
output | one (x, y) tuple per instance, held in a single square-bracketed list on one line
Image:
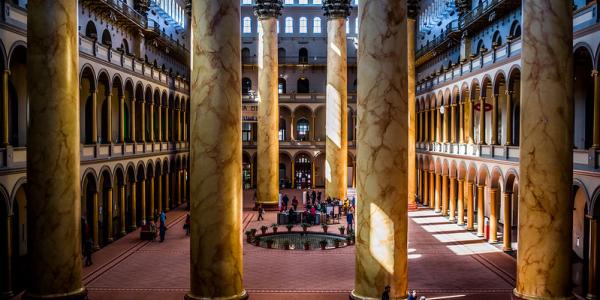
[(143, 197), (179, 122), (438, 125), (268, 108), (507, 226), (151, 196), (160, 124), (593, 267), (133, 206), (426, 126), (336, 120), (412, 104), (460, 207), (122, 120), (143, 120), (132, 120), (425, 179), (444, 195), (159, 194), (495, 119), (122, 208), (480, 210), (109, 137), (471, 123), (596, 138), (94, 117), (453, 123), (151, 122), (382, 150), (431, 189), (445, 125), (432, 126), (167, 195), (438, 193), (470, 213), (6, 276), (509, 121), (54, 192), (216, 152), (461, 123), (493, 216), (5, 108), (452, 199), (481, 121), (167, 128), (95, 219), (109, 214), (546, 164)]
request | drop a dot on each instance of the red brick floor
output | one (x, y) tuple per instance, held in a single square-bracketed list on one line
[(445, 262)]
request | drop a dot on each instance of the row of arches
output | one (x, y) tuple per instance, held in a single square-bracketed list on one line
[(476, 194), (299, 170), (115, 200)]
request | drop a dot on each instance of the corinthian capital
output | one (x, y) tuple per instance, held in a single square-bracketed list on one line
[(337, 8), (264, 9)]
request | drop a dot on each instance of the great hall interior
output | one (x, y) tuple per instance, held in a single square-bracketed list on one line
[(149, 149)]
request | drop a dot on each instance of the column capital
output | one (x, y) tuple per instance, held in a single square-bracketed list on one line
[(337, 9), (7, 71), (460, 179), (265, 9), (508, 193), (509, 92), (413, 9), (594, 73)]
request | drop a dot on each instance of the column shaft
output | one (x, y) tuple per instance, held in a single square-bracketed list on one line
[(425, 179), (94, 117), (5, 108), (412, 124), (160, 124), (460, 207), (493, 217), (481, 121), (151, 122), (596, 132), (471, 122), (143, 121), (268, 114), (546, 163), (453, 123), (382, 151), (438, 125), (495, 120), (151, 196), (470, 210), (431, 189), (461, 123), (593, 267), (168, 204), (509, 121), (109, 137), (480, 210), (95, 219), (452, 199), (53, 146), (143, 198), (336, 120), (122, 120), (432, 127), (445, 125), (507, 227), (159, 194), (438, 193), (444, 195), (109, 214), (133, 206), (132, 120), (122, 207), (426, 126), (216, 152)]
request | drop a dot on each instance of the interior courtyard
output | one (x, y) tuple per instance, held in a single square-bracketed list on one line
[(299, 149)]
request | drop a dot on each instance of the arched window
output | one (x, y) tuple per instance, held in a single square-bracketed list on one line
[(303, 2), (246, 85), (125, 46), (106, 39), (303, 25), (247, 25), (289, 1), (289, 25), (480, 45), (496, 39), (302, 127), (281, 85), (515, 29), (303, 85), (303, 56), (282, 133), (317, 25), (90, 30)]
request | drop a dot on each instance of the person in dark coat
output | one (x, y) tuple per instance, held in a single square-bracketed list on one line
[(313, 195), (87, 252), (386, 293), (163, 226), (285, 200)]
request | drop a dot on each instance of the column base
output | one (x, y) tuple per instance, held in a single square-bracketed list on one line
[(412, 206), (6, 294), (519, 296), (354, 296), (79, 294), (507, 249), (241, 296)]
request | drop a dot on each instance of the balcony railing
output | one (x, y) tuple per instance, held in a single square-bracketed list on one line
[(302, 98), (446, 35), (178, 47), (299, 60), (123, 10)]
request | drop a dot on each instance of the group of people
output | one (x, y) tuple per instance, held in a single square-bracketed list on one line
[(161, 220)]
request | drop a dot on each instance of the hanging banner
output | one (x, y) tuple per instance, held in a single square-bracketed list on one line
[(249, 112)]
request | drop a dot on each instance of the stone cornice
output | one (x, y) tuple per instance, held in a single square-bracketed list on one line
[(265, 9), (335, 9)]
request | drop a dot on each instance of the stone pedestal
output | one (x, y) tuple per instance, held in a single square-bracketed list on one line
[(216, 152), (382, 168), (267, 147), (546, 164), (336, 120), (54, 192)]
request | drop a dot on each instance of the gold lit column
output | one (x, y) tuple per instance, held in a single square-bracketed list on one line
[(143, 198), (471, 122), (160, 123), (216, 152), (426, 126), (438, 193), (432, 126), (178, 125), (95, 219), (412, 104), (425, 180), (546, 163), (122, 120), (159, 194), (167, 128), (460, 207), (151, 196), (461, 123), (151, 124), (143, 120), (452, 199), (5, 108), (133, 207), (438, 125), (507, 228), (132, 120), (444, 195), (109, 136), (94, 117), (481, 121), (470, 210), (122, 207), (495, 120), (509, 121), (493, 238), (109, 213), (53, 152), (445, 124), (453, 123), (596, 138), (267, 147), (336, 120), (480, 210), (431, 189), (381, 242)]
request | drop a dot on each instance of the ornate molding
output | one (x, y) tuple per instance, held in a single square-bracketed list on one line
[(463, 6), (265, 9), (337, 8), (142, 6), (413, 9)]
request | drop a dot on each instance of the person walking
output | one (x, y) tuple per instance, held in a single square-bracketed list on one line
[(295, 203), (87, 252), (285, 201), (163, 226), (186, 225), (261, 211), (350, 219)]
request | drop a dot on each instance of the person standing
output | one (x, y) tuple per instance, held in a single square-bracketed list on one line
[(350, 219), (163, 226), (386, 293), (87, 252), (313, 196), (285, 201), (295, 203), (261, 211), (186, 226)]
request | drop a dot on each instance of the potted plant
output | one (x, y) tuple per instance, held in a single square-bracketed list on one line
[(324, 226), (306, 245), (253, 231), (257, 241), (305, 227), (274, 227), (342, 229), (248, 236), (336, 243), (323, 244), (286, 245), (269, 243), (289, 227), (263, 229)]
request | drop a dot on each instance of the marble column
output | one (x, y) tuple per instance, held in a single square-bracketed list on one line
[(151, 196), (122, 208), (471, 122), (438, 125), (143, 198), (133, 207), (425, 179), (452, 199), (5, 100), (509, 121), (546, 176), (151, 122), (267, 147), (481, 121), (143, 121), (593, 268), (216, 152), (480, 209), (54, 192), (445, 125), (431, 189), (438, 193), (122, 120), (167, 195), (507, 226), (432, 127), (461, 123), (453, 123), (94, 117), (493, 238), (412, 104), (444, 195), (336, 120), (495, 119), (6, 276), (382, 168), (596, 132), (159, 138), (159, 194), (109, 137), (426, 126), (470, 210), (132, 120), (460, 207), (109, 214)]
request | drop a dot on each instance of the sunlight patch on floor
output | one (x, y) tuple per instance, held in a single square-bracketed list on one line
[(442, 228), (422, 213), (430, 220), (470, 249), (456, 237)]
